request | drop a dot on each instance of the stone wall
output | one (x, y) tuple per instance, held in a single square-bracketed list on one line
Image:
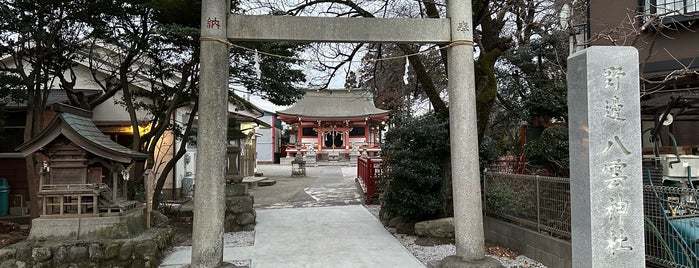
[(240, 216), (551, 251), (144, 250)]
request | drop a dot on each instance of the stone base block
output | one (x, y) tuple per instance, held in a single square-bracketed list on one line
[(233, 178), (80, 228), (252, 181), (333, 157), (457, 262), (236, 189)]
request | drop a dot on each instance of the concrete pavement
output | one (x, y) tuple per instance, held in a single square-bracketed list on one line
[(323, 186), (321, 226)]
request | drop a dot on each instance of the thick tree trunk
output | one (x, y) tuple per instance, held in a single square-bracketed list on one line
[(32, 187), (486, 89), (32, 125)]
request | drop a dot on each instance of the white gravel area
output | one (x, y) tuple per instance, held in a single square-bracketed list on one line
[(230, 240), (238, 239), (433, 253)]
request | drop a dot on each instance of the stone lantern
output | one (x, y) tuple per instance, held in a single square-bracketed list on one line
[(298, 165)]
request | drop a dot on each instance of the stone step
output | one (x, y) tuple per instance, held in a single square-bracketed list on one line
[(267, 182), (258, 174), (252, 181)]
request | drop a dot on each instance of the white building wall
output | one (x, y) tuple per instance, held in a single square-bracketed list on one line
[(112, 111), (188, 162), (268, 142)]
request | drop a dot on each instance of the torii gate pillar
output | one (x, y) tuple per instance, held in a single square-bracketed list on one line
[(217, 25), (209, 210), (468, 213)]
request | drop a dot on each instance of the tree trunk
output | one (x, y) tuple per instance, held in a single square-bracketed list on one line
[(180, 152), (32, 125), (486, 89)]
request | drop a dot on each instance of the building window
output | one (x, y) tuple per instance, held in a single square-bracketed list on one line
[(309, 132), (11, 137), (11, 130), (357, 132), (192, 141), (669, 8)]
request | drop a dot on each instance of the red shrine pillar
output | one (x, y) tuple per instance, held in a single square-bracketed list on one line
[(299, 136), (347, 141), (366, 134), (320, 140)]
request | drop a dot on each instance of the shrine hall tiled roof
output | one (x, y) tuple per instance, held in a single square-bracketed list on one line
[(76, 125), (335, 104)]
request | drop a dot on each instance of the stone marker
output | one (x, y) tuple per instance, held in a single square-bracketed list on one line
[(606, 187)]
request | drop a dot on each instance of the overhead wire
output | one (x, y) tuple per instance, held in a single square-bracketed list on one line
[(421, 52)]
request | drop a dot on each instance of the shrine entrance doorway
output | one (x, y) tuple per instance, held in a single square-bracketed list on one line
[(333, 140)]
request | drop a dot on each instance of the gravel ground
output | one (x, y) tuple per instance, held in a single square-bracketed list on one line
[(230, 240), (507, 257), (238, 239)]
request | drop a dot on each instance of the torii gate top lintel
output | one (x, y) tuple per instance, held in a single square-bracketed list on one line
[(337, 30)]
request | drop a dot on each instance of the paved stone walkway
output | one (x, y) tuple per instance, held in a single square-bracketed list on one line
[(332, 186), (324, 226)]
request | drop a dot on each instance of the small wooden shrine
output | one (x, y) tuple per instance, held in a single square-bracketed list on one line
[(76, 156), (334, 125)]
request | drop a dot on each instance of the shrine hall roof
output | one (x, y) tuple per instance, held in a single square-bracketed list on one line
[(76, 125), (334, 104)]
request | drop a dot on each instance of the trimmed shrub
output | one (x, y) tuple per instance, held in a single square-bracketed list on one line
[(550, 150), (417, 150)]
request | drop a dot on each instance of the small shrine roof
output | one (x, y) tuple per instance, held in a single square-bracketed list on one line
[(76, 125), (341, 103)]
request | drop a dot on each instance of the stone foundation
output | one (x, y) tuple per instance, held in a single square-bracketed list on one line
[(240, 216), (128, 225), (144, 250)]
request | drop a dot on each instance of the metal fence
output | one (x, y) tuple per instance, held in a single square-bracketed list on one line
[(536, 202), (542, 204), (672, 226)]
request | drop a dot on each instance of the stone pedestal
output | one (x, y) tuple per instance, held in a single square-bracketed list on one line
[(298, 167), (333, 156), (232, 174), (240, 216), (353, 158), (311, 158), (458, 262), (236, 189)]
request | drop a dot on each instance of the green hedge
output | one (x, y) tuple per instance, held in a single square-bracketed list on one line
[(414, 186)]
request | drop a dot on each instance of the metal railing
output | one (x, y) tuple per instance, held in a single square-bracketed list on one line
[(537, 202), (368, 171), (671, 214), (671, 226)]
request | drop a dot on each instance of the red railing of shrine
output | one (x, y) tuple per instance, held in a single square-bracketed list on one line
[(368, 170)]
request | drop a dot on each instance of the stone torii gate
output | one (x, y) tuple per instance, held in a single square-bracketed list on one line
[(218, 26)]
